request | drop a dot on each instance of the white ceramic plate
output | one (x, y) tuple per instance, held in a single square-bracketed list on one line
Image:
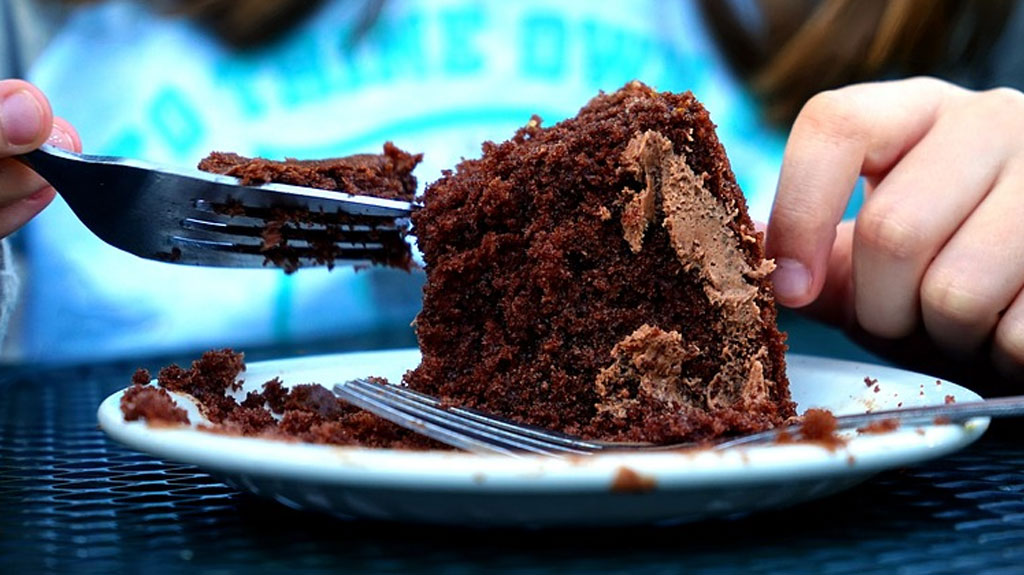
[(463, 488)]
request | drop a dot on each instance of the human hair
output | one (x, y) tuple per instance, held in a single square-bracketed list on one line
[(796, 48), (244, 23)]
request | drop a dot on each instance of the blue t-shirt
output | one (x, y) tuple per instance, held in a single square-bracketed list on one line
[(433, 77)]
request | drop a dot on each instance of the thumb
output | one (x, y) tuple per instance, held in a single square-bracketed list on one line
[(25, 117)]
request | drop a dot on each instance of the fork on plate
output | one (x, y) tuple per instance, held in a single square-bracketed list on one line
[(198, 218), (480, 432)]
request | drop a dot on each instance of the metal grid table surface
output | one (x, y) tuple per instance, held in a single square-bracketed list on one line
[(72, 501)]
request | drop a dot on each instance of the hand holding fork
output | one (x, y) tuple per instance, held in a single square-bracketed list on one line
[(178, 215)]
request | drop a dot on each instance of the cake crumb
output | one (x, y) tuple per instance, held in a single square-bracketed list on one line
[(819, 425), (869, 381), (950, 400), (153, 404), (881, 426), (629, 481), (171, 256), (784, 437), (141, 377)]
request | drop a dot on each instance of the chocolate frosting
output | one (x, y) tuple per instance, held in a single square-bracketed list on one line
[(650, 361)]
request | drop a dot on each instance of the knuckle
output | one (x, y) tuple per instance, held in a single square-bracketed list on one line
[(1001, 100), (831, 113), (884, 232), (801, 217), (1001, 108), (796, 212), (954, 298), (891, 318)]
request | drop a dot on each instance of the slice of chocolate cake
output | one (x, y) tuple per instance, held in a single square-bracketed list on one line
[(387, 175), (602, 277)]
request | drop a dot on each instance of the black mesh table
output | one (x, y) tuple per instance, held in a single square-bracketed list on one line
[(72, 501)]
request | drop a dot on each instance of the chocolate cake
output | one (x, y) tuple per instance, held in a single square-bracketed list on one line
[(387, 175), (602, 277)]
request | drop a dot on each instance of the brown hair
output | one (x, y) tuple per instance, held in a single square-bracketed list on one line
[(246, 23), (803, 47)]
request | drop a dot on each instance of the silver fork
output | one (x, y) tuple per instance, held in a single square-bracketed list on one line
[(480, 432), (185, 216)]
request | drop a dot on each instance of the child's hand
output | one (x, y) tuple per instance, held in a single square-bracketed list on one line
[(938, 246), (26, 122)]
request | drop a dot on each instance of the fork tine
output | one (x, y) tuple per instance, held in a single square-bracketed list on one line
[(545, 436), (243, 254), (302, 249), (243, 214), (420, 425), (238, 240), (456, 426), (272, 195), (352, 239), (447, 427), (258, 223)]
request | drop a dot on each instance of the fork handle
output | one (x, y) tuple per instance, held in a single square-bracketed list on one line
[(47, 160), (954, 412), (1011, 406)]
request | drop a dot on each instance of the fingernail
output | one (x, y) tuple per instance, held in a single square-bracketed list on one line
[(61, 139), (791, 279), (21, 118)]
